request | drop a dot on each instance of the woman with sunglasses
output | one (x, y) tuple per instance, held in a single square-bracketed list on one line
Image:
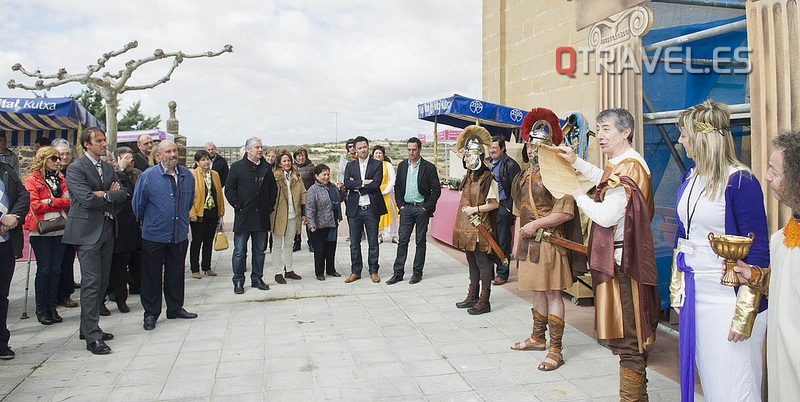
[(49, 199)]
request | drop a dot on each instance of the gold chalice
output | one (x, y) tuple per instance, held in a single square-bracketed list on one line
[(731, 248)]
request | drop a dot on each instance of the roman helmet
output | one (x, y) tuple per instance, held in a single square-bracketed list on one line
[(540, 126), (474, 141)]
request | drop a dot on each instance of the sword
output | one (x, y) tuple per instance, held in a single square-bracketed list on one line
[(475, 220), (548, 236)]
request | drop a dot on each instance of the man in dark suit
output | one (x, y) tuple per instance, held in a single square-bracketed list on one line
[(14, 201), (218, 162), (93, 190), (141, 159), (504, 169), (416, 191), (362, 177)]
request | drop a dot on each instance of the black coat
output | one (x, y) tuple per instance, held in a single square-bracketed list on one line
[(508, 171), (251, 190), (19, 200), (141, 161), (427, 183), (220, 165), (129, 236)]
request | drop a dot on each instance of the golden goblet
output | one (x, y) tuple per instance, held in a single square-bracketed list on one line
[(731, 248)]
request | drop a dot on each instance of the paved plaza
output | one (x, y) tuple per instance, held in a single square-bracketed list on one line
[(311, 340)]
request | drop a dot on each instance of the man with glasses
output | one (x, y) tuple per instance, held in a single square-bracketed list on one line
[(416, 191)]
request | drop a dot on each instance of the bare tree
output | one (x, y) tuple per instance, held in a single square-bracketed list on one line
[(109, 85)]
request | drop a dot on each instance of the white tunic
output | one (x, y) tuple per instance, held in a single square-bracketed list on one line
[(783, 351), (729, 371)]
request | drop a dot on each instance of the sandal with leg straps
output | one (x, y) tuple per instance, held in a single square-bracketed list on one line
[(552, 361), (529, 344)]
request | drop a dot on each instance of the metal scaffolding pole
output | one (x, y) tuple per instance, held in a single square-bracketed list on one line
[(707, 33), (705, 3), (671, 114), (674, 152)]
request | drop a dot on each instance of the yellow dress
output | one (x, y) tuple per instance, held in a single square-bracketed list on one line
[(388, 198)]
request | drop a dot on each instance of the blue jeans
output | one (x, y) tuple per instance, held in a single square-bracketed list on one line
[(363, 219), (258, 247), (505, 219), (49, 253), (411, 217)]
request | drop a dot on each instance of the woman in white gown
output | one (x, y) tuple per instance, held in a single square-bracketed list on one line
[(722, 330)]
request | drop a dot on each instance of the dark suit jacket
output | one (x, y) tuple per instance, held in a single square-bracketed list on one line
[(86, 211), (141, 161), (19, 200), (129, 236), (427, 183), (354, 183)]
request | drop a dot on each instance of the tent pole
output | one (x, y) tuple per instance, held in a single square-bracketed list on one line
[(436, 142)]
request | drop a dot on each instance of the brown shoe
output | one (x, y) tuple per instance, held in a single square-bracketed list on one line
[(279, 279), (196, 275), (375, 278), (499, 281), (352, 278), (68, 303), (211, 272), (292, 275)]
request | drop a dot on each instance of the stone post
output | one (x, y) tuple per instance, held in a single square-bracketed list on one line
[(172, 128)]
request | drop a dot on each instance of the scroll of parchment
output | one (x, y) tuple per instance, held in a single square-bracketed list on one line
[(558, 176)]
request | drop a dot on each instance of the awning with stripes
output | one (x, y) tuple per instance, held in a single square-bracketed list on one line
[(23, 120)]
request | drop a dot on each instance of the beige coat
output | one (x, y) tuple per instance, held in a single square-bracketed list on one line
[(280, 215)]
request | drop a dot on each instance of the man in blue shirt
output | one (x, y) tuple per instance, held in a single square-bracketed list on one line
[(161, 201), (504, 169), (416, 191)]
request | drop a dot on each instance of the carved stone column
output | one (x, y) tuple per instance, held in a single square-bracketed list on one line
[(617, 46), (773, 27), (172, 128)]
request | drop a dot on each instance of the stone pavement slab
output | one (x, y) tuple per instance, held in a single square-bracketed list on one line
[(311, 340)]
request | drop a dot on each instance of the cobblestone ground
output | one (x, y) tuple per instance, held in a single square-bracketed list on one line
[(310, 340)]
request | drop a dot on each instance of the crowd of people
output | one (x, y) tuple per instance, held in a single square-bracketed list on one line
[(127, 215)]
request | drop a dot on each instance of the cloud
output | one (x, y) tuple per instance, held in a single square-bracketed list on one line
[(294, 62)]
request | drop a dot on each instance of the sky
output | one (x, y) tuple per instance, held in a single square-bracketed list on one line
[(301, 71)]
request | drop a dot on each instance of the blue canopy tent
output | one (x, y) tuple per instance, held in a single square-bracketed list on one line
[(460, 111), (23, 120)]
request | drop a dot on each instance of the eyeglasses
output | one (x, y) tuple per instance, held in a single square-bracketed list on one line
[(55, 158)]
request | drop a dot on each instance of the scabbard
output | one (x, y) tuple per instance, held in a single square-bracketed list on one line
[(493, 244), (583, 249)]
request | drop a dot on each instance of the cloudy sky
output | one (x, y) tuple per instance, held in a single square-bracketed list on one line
[(295, 62)]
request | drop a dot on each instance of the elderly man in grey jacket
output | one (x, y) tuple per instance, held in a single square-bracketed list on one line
[(323, 213)]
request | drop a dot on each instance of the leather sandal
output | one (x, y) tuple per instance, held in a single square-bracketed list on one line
[(529, 344), (551, 362)]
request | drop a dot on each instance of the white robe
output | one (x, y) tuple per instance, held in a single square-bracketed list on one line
[(783, 348), (729, 371)]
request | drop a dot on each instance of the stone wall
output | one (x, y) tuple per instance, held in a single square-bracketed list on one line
[(520, 38)]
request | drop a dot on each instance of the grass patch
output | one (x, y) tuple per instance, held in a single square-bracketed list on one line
[(272, 299)]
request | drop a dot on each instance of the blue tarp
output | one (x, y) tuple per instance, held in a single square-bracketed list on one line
[(23, 120), (671, 91), (460, 111)]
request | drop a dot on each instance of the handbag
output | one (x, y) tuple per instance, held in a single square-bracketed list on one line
[(220, 239), (53, 221)]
